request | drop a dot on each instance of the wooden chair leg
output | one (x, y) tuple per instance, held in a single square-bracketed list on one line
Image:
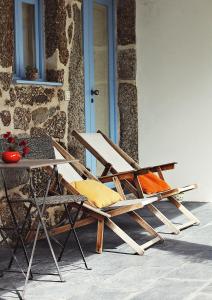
[(184, 211), (157, 238), (138, 219), (163, 219), (125, 237), (100, 236)]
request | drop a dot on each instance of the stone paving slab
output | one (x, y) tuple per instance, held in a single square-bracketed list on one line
[(202, 296), (178, 269), (167, 289)]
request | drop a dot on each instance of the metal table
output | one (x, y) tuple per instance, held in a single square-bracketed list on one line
[(29, 165)]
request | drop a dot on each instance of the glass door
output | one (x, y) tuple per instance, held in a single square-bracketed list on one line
[(99, 59)]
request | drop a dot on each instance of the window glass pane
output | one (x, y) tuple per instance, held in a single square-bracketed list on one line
[(29, 49), (101, 71)]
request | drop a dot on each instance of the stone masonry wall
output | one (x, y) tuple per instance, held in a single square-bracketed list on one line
[(127, 91), (35, 109), (38, 109)]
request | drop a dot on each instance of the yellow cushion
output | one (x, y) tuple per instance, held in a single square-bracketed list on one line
[(97, 193)]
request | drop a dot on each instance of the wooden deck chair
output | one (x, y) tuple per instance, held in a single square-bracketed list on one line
[(115, 160), (75, 171)]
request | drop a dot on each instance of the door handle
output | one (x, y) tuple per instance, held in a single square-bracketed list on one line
[(95, 92)]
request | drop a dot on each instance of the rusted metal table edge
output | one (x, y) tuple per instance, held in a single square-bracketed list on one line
[(34, 163)]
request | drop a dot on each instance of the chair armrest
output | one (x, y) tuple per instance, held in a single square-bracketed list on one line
[(128, 175), (163, 167)]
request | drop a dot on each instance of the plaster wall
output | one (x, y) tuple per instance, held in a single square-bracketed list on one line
[(174, 75)]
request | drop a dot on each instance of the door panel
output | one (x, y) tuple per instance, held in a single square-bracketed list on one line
[(99, 71), (101, 62)]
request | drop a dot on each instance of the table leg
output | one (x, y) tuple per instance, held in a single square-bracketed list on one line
[(22, 229), (72, 224), (14, 256), (41, 222), (16, 227)]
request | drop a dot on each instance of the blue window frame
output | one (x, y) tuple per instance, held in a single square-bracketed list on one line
[(28, 37)]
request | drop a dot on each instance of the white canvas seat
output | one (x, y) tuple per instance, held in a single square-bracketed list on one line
[(143, 202)]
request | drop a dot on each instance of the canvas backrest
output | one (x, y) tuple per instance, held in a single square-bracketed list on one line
[(66, 170), (98, 143)]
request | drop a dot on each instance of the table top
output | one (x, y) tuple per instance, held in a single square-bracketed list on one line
[(33, 163)]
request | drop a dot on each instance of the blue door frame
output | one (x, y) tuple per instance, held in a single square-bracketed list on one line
[(88, 43)]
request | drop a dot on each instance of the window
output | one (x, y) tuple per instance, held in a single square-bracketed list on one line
[(28, 38)]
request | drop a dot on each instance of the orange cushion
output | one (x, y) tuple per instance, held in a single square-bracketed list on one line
[(152, 184)]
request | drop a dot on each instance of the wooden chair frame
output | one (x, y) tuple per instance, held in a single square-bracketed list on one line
[(105, 218), (129, 178)]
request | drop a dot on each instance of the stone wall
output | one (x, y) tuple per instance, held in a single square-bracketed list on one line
[(127, 91), (36, 109), (76, 110)]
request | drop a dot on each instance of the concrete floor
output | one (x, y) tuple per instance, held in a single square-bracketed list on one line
[(180, 268)]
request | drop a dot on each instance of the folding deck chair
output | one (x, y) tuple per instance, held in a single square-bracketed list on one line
[(75, 171), (116, 161)]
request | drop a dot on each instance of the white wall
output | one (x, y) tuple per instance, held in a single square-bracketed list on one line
[(174, 76)]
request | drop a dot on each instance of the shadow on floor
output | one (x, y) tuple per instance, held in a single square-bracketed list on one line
[(72, 260), (193, 252)]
